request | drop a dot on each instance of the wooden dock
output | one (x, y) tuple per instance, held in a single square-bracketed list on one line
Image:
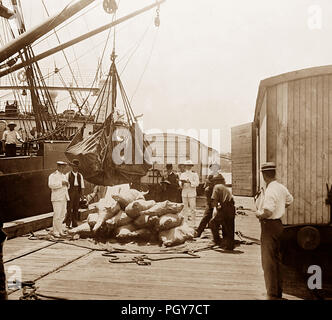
[(72, 272)]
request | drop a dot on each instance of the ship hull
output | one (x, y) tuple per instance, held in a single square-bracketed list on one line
[(24, 190)]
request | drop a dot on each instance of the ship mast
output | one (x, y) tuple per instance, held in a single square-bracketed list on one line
[(78, 39), (21, 46), (35, 33)]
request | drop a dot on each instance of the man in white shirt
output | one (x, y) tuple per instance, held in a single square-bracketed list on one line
[(10, 138), (189, 181), (76, 187), (276, 199), (58, 183)]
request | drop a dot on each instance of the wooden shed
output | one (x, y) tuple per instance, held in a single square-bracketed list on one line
[(293, 117)]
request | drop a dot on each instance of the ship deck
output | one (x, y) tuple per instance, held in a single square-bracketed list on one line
[(72, 272)]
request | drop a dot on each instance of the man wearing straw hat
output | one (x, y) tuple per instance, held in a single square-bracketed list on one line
[(276, 199), (76, 187), (189, 181), (10, 138)]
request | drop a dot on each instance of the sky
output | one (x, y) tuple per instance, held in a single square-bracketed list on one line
[(202, 67)]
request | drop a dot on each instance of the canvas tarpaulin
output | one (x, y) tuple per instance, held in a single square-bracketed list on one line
[(115, 154)]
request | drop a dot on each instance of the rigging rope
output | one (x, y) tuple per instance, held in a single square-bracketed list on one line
[(138, 44), (65, 56), (99, 66), (146, 65), (58, 29)]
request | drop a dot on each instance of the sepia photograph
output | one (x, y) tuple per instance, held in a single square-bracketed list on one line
[(166, 155)]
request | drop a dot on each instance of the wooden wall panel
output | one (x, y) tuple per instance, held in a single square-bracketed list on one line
[(308, 154), (279, 113), (262, 139), (289, 219), (282, 135), (301, 156), (284, 132), (272, 123), (242, 160), (296, 152), (313, 170), (330, 135), (304, 146), (325, 154), (319, 141)]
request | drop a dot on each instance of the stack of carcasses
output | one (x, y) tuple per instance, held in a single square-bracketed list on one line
[(127, 217)]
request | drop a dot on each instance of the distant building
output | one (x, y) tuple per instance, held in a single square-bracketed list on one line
[(176, 148)]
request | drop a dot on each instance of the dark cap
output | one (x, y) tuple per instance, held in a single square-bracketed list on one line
[(169, 166), (268, 166), (75, 163)]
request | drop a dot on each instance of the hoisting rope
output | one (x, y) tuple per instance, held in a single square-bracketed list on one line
[(145, 66), (102, 90)]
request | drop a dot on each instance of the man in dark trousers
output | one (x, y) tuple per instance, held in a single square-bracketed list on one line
[(276, 199), (76, 187), (10, 138), (170, 184), (223, 203), (207, 215), (3, 292)]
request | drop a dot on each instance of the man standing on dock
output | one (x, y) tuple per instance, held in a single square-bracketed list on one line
[(276, 199), (76, 187), (58, 183), (189, 181), (171, 184)]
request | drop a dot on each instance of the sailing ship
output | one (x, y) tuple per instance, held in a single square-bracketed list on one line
[(23, 180)]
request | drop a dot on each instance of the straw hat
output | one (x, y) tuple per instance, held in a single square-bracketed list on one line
[(268, 166), (11, 124), (61, 163), (188, 163)]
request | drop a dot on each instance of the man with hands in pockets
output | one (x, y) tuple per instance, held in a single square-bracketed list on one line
[(276, 199)]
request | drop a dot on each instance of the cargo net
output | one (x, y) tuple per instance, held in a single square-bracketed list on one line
[(117, 152), (125, 216)]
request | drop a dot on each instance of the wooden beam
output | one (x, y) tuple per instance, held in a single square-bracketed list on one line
[(27, 38), (5, 12)]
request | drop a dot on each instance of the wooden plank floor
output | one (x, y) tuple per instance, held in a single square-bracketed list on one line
[(78, 273)]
